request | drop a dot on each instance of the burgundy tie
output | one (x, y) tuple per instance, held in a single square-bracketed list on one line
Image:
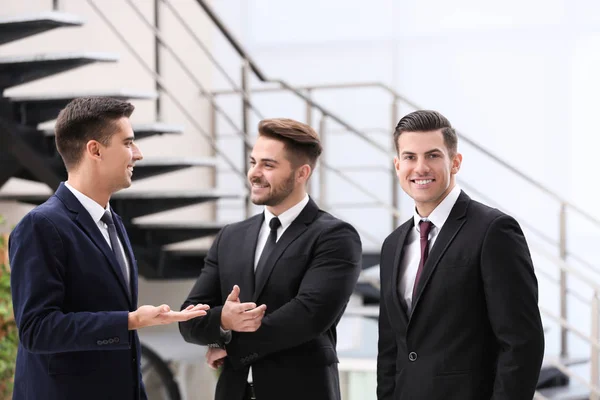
[(425, 227)]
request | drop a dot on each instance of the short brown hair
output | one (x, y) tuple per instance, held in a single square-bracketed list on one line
[(85, 119), (425, 121), (301, 140)]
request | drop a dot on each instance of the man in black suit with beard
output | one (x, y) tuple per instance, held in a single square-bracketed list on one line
[(298, 262), (459, 318)]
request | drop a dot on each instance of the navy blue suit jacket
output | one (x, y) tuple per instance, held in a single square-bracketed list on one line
[(71, 306)]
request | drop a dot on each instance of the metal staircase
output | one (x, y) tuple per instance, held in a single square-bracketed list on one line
[(28, 152)]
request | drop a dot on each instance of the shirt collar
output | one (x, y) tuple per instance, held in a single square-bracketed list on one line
[(441, 213), (96, 211), (288, 216)]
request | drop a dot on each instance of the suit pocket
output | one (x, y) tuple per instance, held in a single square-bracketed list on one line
[(76, 363)]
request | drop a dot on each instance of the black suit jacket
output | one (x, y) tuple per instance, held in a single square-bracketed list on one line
[(71, 306), (475, 331), (309, 278)]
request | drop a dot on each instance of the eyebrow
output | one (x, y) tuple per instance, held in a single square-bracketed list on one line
[(426, 153), (265, 160), (129, 139)]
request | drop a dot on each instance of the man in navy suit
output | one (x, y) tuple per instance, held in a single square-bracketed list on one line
[(74, 275)]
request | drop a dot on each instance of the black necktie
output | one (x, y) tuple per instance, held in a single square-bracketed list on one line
[(274, 224), (114, 242)]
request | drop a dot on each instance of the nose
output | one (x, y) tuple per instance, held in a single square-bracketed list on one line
[(137, 153), (422, 167), (253, 171)]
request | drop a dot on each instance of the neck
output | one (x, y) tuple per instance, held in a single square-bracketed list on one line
[(89, 187), (425, 209), (289, 202)]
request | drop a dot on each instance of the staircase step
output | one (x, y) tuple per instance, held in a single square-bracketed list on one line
[(142, 131), (18, 70), (572, 391), (34, 109), (146, 130), (130, 204), (143, 169), (176, 264), (152, 235), (21, 26), (151, 167)]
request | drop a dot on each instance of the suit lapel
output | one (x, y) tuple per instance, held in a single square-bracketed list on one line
[(249, 240), (84, 220), (298, 226), (451, 227), (398, 301)]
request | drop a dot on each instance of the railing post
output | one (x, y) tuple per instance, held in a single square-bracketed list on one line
[(246, 130), (309, 117), (213, 135), (564, 349), (157, 60), (395, 183), (594, 359), (323, 171)]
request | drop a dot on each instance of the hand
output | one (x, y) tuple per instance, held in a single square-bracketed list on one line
[(215, 357), (241, 317), (162, 315)]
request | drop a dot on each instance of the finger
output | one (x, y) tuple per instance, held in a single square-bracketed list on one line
[(163, 308), (189, 307), (200, 307), (184, 316), (242, 307), (235, 294), (257, 312)]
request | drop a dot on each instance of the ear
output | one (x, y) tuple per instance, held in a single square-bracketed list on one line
[(303, 173), (93, 149), (397, 166), (456, 163)]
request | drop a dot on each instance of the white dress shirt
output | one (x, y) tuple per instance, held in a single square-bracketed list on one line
[(411, 253), (96, 212), (286, 218)]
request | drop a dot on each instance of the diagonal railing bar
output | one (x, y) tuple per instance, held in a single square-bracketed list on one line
[(158, 79), (186, 26), (188, 72)]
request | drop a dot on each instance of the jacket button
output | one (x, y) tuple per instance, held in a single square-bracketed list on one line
[(412, 356)]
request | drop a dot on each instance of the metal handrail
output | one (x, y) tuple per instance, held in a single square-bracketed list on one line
[(463, 137)]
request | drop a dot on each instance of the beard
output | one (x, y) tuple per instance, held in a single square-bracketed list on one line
[(277, 194)]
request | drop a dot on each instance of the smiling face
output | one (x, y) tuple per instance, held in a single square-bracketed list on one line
[(426, 168), (274, 181), (119, 157)]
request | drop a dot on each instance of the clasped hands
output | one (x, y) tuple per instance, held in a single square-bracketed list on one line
[(239, 317)]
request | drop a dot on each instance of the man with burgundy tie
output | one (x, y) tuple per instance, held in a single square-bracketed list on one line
[(74, 276), (458, 318), (298, 263)]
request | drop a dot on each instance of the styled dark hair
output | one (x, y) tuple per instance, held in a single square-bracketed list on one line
[(301, 141), (85, 119), (425, 121)]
